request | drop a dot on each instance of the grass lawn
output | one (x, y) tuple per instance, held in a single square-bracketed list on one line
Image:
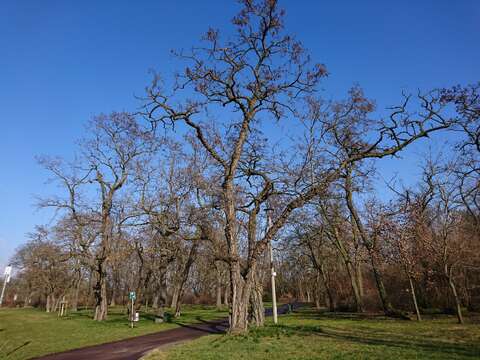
[(27, 333), (307, 334)]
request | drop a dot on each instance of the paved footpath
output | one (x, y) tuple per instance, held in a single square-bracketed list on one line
[(135, 348)]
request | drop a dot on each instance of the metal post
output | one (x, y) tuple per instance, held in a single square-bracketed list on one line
[(274, 294)]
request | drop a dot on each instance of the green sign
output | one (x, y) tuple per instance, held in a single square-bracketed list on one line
[(132, 295)]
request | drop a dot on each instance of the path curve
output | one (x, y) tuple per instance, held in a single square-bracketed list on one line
[(136, 347)]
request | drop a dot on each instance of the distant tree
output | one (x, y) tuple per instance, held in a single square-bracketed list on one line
[(45, 266)]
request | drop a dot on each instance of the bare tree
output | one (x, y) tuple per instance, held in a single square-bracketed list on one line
[(258, 74)]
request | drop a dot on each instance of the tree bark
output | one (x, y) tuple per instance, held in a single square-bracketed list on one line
[(347, 261), (382, 293), (456, 298), (240, 292), (100, 292), (226, 295), (414, 299), (354, 282), (218, 288), (186, 271), (257, 310), (76, 290)]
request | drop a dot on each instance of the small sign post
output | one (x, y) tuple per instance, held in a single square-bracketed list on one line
[(132, 296)]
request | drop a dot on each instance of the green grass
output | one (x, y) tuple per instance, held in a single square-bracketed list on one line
[(307, 334), (27, 333)]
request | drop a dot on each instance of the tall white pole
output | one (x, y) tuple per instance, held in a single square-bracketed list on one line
[(6, 279), (3, 289), (274, 294)]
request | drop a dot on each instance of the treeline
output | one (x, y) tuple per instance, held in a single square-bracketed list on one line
[(418, 252), (240, 150)]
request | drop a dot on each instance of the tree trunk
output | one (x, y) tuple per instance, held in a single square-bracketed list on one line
[(175, 294), (414, 298), (317, 292), (330, 298), (100, 292), (218, 289), (257, 310), (240, 290), (354, 282), (114, 295), (386, 305), (359, 276), (456, 298), (370, 246), (155, 301), (226, 295), (160, 297), (186, 271), (48, 303), (76, 292), (301, 293)]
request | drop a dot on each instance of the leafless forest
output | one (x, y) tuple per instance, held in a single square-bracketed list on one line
[(180, 200)]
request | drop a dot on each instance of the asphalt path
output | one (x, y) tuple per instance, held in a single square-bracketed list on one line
[(135, 348)]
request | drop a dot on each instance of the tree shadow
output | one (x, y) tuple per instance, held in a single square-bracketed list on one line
[(380, 338), (17, 348), (209, 326), (311, 314)]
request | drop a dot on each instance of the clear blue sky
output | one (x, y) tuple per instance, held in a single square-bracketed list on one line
[(63, 61)]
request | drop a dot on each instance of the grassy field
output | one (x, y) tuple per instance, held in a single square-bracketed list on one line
[(27, 333), (307, 335)]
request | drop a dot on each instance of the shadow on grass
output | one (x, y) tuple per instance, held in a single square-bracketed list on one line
[(311, 314), (17, 348), (208, 326), (372, 337)]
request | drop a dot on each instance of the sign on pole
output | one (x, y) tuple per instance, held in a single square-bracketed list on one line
[(132, 295)]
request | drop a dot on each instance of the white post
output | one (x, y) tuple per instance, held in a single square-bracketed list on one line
[(6, 279), (132, 316), (274, 294), (3, 289)]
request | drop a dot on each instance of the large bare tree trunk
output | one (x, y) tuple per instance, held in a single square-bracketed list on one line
[(183, 279), (355, 284), (240, 292), (370, 246), (76, 290), (160, 297), (100, 292), (328, 290), (347, 260), (382, 293), (257, 310)]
